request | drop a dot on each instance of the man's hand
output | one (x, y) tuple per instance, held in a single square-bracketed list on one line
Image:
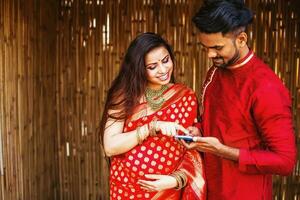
[(205, 144), (214, 146)]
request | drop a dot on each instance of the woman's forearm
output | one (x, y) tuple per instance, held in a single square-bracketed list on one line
[(123, 142)]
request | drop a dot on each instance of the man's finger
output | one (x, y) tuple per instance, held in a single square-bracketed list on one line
[(199, 139), (187, 145), (192, 145)]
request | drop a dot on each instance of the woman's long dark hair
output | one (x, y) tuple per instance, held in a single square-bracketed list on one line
[(129, 85)]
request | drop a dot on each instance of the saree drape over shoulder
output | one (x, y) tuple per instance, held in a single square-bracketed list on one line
[(160, 154)]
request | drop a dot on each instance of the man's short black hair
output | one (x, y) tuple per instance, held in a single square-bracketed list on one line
[(222, 16)]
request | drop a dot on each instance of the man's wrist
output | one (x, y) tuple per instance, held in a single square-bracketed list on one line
[(229, 152)]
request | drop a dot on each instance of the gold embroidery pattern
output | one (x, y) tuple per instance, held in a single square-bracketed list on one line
[(205, 85)]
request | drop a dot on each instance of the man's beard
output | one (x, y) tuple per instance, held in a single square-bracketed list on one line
[(230, 62)]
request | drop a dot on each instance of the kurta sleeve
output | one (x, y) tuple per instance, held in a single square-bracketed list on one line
[(271, 111)]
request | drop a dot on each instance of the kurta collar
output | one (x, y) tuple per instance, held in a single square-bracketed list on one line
[(242, 61)]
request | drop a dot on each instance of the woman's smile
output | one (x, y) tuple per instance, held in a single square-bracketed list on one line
[(164, 76)]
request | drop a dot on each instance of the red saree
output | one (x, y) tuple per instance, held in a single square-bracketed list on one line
[(160, 154)]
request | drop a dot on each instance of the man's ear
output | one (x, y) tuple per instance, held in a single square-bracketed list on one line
[(241, 39)]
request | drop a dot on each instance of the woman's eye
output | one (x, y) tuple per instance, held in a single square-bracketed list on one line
[(165, 60), (152, 67)]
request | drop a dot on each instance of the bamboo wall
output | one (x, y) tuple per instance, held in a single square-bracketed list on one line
[(57, 60), (28, 146)]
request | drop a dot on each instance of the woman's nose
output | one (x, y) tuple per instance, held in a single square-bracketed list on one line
[(162, 68)]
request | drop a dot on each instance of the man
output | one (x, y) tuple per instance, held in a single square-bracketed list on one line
[(246, 115)]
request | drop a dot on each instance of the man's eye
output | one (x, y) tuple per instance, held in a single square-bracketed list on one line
[(218, 48)]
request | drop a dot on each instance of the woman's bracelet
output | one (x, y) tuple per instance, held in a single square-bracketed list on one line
[(138, 135), (181, 179), (152, 128), (142, 133)]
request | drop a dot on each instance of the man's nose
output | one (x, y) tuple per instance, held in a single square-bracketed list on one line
[(211, 53)]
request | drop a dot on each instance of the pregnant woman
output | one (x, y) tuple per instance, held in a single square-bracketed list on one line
[(143, 111)]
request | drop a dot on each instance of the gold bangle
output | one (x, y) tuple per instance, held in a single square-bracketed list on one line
[(138, 135), (181, 179), (184, 179), (152, 130), (178, 180)]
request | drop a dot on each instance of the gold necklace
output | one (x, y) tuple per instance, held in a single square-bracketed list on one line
[(154, 98)]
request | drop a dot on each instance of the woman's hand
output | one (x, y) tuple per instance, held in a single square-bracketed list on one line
[(169, 128), (158, 182)]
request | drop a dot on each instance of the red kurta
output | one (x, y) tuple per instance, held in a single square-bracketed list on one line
[(250, 109)]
